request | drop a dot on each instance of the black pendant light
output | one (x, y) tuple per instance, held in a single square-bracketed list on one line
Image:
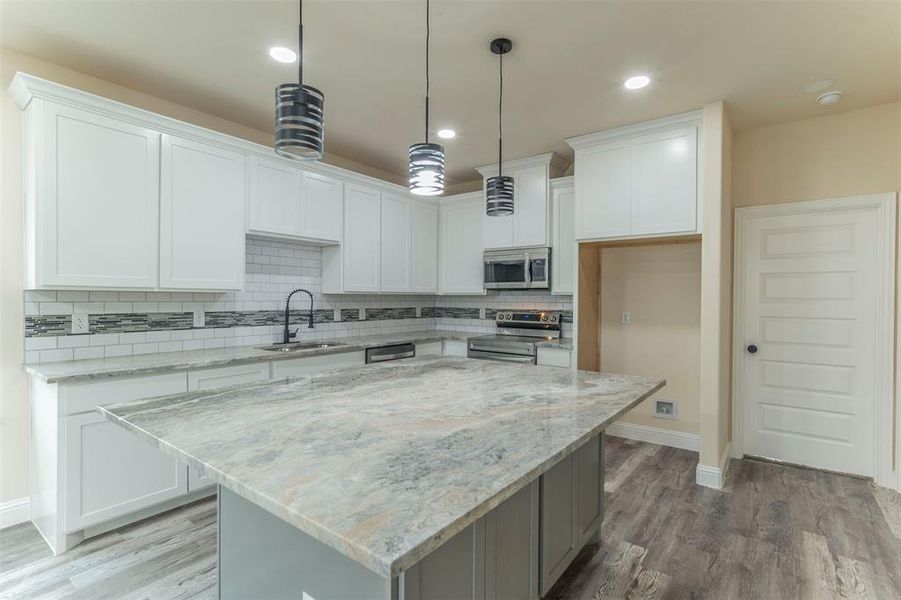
[(427, 160), (299, 113), (499, 189)]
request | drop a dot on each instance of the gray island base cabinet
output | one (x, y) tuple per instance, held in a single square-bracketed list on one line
[(517, 551)]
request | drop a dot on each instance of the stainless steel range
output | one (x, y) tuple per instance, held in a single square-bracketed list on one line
[(518, 332)]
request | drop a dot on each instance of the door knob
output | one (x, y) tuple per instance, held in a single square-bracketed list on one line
[(752, 349)]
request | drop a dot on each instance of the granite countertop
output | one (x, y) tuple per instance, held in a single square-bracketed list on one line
[(386, 462), (72, 371)]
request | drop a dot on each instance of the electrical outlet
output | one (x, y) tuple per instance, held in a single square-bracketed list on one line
[(80, 322), (665, 409), (199, 318), (627, 318)]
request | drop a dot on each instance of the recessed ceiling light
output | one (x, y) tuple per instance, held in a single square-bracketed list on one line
[(830, 97), (283, 55), (447, 134), (817, 86), (637, 82)]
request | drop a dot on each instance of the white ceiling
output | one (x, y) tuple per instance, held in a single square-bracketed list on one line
[(563, 78)]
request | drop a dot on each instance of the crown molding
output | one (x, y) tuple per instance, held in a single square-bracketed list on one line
[(671, 122), (26, 88), (550, 159)]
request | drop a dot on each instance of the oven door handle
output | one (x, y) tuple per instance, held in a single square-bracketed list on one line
[(528, 269), (501, 357)]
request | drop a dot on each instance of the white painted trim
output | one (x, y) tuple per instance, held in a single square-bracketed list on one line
[(15, 511), (563, 183), (671, 122), (885, 204), (25, 88), (715, 477), (655, 435), (548, 159)]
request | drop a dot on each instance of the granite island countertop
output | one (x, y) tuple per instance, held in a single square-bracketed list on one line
[(386, 462), (92, 369)]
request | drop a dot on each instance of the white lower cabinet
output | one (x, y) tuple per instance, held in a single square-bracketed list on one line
[(455, 347), (429, 348), (555, 357), (111, 472), (299, 367), (207, 379)]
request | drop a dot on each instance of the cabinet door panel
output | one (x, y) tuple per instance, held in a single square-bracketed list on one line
[(530, 218), (603, 191), (498, 230), (590, 488), (322, 207), (275, 198), (395, 244), (559, 543), (511, 547), (362, 216), (665, 182), (425, 248), (448, 572), (460, 259), (563, 250), (201, 216), (111, 472), (97, 200)]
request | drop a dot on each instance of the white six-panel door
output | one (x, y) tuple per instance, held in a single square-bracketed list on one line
[(812, 293)]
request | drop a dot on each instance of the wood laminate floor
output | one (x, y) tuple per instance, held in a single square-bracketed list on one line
[(774, 532)]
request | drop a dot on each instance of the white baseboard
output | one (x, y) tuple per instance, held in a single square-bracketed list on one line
[(15, 512), (655, 435), (715, 477)]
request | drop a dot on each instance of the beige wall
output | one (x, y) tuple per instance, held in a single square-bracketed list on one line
[(660, 286), (716, 286), (13, 401), (857, 152)]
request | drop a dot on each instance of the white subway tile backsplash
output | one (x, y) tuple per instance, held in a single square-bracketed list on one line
[(72, 296), (117, 350), (91, 352), (104, 296)]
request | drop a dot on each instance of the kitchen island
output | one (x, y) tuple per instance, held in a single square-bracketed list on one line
[(428, 477)]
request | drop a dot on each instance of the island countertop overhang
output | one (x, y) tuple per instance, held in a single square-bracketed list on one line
[(386, 462)]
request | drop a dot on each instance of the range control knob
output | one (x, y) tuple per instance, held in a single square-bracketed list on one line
[(553, 318), (543, 317)]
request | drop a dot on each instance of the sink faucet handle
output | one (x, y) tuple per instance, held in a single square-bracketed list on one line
[(293, 334)]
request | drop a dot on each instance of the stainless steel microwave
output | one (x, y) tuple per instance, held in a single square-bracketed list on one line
[(517, 269)]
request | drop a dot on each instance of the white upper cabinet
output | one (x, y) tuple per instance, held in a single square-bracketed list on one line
[(274, 199), (359, 254), (396, 270), (638, 181), (528, 225), (202, 194), (460, 268), (665, 182), (92, 200), (322, 207), (424, 251), (563, 244)]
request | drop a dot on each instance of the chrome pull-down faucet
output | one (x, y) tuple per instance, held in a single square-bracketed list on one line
[(289, 335)]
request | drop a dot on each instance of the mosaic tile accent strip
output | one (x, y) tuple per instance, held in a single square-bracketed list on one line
[(383, 314), (566, 316), (133, 322), (47, 325), (251, 318), (349, 315)]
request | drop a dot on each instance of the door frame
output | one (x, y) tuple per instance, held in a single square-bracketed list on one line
[(887, 459)]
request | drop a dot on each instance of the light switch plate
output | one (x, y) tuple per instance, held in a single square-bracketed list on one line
[(80, 322), (199, 318), (627, 318)]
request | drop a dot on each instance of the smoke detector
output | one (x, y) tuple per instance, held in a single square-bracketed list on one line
[(830, 97)]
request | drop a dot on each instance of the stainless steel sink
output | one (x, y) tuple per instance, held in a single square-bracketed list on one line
[(295, 346)]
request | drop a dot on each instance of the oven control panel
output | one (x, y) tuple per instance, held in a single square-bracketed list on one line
[(528, 319)]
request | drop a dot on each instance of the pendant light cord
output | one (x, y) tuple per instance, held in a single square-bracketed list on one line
[(300, 41), (500, 117), (428, 33)]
